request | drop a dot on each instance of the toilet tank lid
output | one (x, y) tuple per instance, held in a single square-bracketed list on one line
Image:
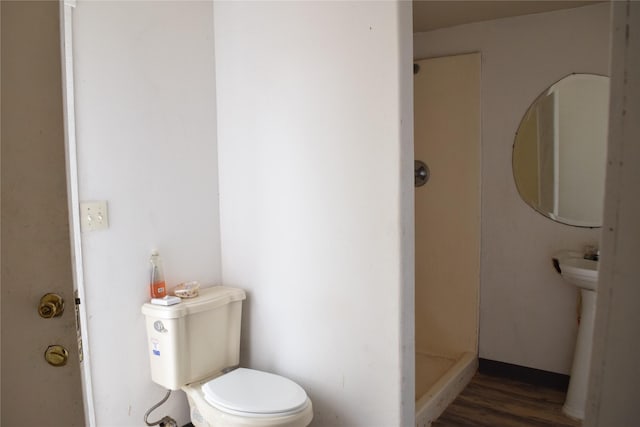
[(208, 298)]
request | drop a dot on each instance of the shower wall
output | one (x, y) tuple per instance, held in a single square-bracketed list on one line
[(447, 209)]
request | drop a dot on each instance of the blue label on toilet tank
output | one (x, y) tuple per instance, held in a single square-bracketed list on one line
[(155, 347)]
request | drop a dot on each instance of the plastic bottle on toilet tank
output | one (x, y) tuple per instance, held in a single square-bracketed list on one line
[(157, 286)]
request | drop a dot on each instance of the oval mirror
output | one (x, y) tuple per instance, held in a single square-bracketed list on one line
[(559, 153)]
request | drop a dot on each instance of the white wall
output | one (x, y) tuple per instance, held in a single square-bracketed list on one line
[(527, 313), (314, 103), (146, 143)]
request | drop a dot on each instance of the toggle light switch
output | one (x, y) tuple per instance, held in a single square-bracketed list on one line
[(93, 215)]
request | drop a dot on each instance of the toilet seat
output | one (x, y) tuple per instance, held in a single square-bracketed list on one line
[(250, 393), (204, 414)]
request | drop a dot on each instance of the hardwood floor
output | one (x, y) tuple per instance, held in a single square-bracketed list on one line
[(499, 402)]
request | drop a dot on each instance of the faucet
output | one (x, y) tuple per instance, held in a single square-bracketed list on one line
[(591, 252)]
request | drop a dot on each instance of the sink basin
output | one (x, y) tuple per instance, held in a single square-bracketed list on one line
[(579, 271)]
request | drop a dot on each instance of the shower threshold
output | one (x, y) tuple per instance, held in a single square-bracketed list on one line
[(439, 380)]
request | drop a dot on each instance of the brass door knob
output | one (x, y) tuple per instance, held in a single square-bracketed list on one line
[(51, 305), (56, 355)]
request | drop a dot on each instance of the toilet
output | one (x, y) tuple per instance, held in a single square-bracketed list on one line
[(194, 346)]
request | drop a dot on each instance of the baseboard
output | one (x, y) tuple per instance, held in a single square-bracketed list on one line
[(522, 373)]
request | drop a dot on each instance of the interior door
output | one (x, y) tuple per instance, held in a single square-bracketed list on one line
[(36, 257)]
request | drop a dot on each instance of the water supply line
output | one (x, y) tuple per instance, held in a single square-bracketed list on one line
[(166, 421)]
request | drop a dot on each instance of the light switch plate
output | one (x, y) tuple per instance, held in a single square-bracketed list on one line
[(94, 215)]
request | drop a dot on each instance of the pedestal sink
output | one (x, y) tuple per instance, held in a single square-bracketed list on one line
[(582, 273)]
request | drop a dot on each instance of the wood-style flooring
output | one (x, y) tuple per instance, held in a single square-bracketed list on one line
[(499, 402)]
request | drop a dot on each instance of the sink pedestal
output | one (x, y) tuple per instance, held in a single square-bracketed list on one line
[(575, 403)]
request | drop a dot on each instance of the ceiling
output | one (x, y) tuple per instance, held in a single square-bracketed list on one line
[(430, 15)]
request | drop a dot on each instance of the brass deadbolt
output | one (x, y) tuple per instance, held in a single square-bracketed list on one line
[(51, 305), (56, 355)]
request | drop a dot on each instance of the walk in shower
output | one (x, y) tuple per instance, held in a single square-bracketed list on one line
[(447, 239)]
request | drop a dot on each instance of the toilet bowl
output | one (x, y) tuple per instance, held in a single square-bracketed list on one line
[(195, 346), (248, 398)]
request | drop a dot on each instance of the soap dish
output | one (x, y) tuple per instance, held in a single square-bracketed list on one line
[(187, 290)]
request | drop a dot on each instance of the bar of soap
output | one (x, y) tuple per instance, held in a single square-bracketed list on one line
[(167, 300)]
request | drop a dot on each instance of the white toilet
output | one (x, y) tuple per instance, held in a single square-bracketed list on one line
[(195, 346)]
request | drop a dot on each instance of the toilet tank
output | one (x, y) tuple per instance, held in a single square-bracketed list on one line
[(196, 338)]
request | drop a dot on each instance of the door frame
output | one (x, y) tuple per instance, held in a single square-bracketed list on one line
[(71, 162)]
